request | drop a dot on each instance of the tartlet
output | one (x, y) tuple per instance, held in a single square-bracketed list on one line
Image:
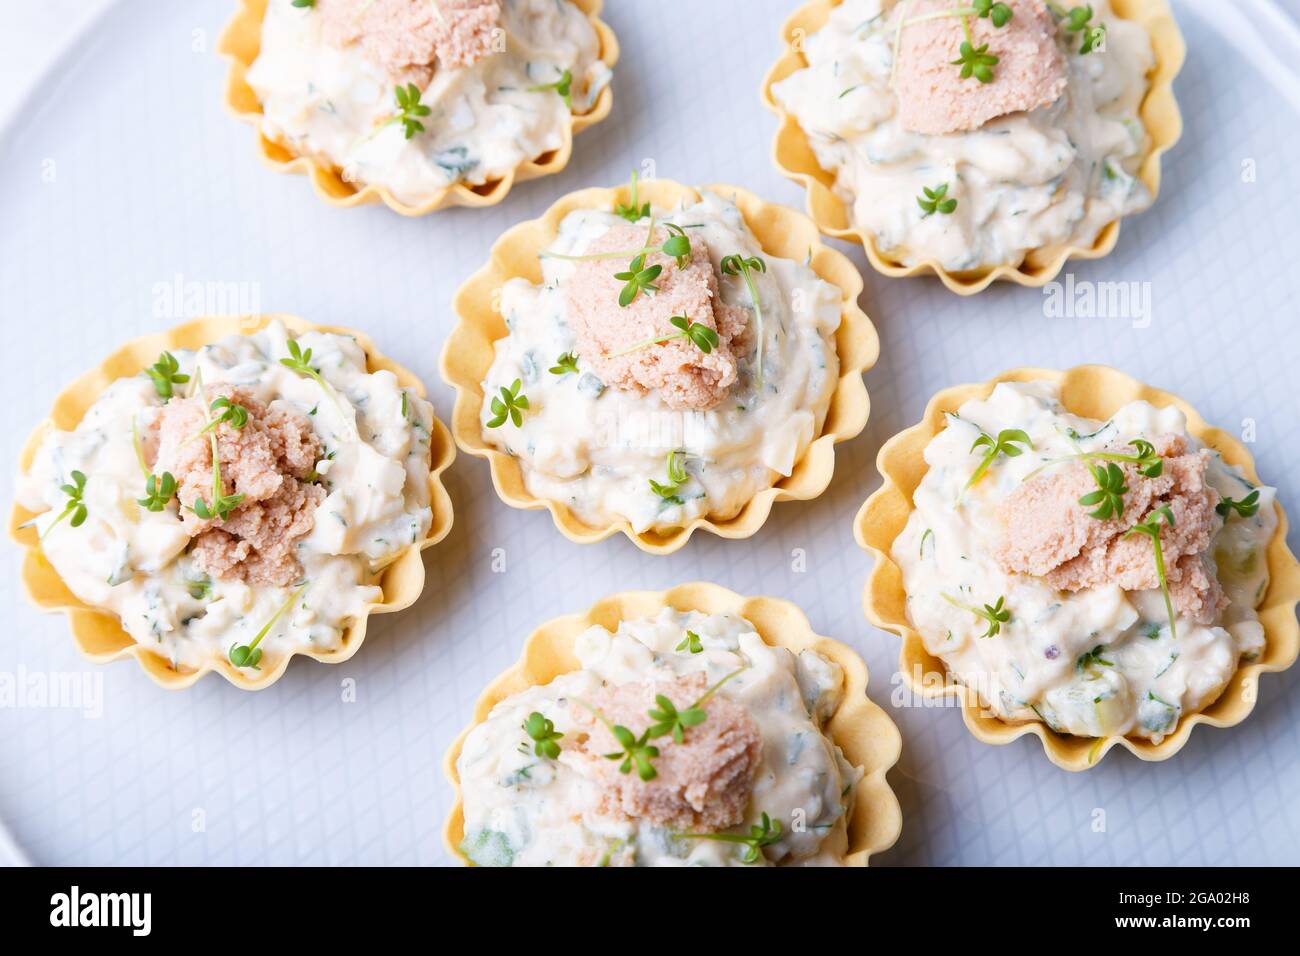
[(795, 158), (98, 633), (471, 348), (1094, 392), (241, 44), (861, 729)]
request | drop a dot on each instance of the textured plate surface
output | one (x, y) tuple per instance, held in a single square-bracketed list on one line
[(780, 232), (861, 729), (124, 171)]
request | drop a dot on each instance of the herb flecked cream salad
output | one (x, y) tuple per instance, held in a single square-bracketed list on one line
[(238, 501), (1101, 577), (684, 739), (416, 95), (666, 368), (974, 133)]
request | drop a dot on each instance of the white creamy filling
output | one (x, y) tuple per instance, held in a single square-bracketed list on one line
[(133, 562), (596, 448), (1035, 668), (525, 810), (1025, 181), (329, 103)]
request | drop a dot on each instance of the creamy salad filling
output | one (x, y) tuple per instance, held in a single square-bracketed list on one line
[(664, 369), (1101, 577), (1030, 141), (416, 95), (683, 740), (322, 481)]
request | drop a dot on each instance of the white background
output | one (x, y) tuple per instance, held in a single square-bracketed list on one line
[(153, 180)]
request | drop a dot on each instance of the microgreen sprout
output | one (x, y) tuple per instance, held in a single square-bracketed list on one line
[(669, 720), (563, 86), (544, 735), (691, 642), (304, 4), (566, 364), (760, 835), (409, 109), (1079, 20), (677, 477), (1004, 444), (165, 373), (974, 60), (639, 278), (1151, 527), (76, 506), (999, 13), (250, 655), (1109, 496), (738, 265), (1145, 458), (509, 404), (703, 337), (299, 362), (1247, 507), (631, 211), (222, 504), (995, 614), (232, 414), (936, 200), (158, 491), (1093, 659), (677, 246)]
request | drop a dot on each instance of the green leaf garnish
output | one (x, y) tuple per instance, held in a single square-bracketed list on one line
[(738, 265), (934, 202), (566, 364), (639, 278), (691, 642), (562, 86), (409, 108), (999, 13), (669, 720), (1079, 20), (232, 414), (299, 362), (1151, 527), (703, 337), (636, 751), (249, 655), (760, 835), (545, 738), (631, 211), (677, 476), (1093, 659), (158, 491), (76, 506), (165, 373), (1247, 507), (301, 4), (994, 614), (510, 404), (974, 60), (1109, 496), (222, 504), (1004, 444)]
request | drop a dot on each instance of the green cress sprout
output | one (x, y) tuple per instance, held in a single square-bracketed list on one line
[(1079, 20), (222, 504), (1109, 496), (738, 265), (994, 614), (1147, 461), (1151, 527), (933, 201), (158, 491), (691, 642), (760, 835), (76, 506), (249, 655), (677, 477), (299, 362), (631, 211), (564, 365), (563, 86), (1247, 507), (510, 404), (669, 720), (703, 337), (1004, 444), (165, 373), (236, 416), (409, 109), (639, 278), (545, 737)]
